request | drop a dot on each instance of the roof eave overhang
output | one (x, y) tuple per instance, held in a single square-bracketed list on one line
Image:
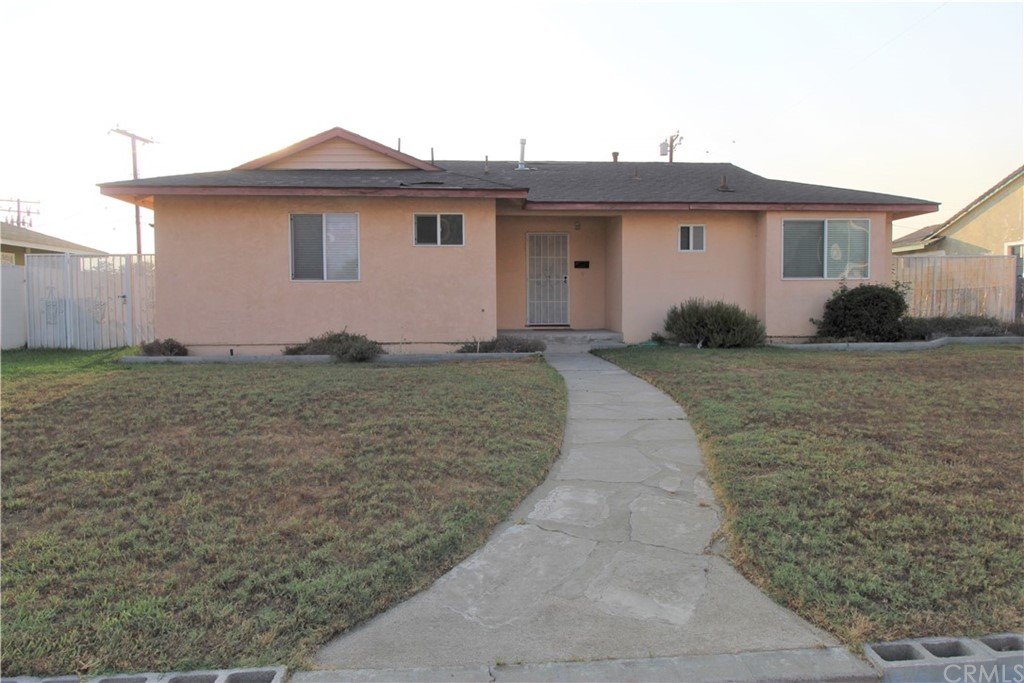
[(143, 196)]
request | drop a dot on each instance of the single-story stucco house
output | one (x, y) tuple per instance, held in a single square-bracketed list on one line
[(338, 231), (16, 241)]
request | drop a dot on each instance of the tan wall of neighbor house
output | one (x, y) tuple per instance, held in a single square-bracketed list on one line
[(587, 286), (989, 227), (224, 278), (656, 275), (790, 304), (18, 252)]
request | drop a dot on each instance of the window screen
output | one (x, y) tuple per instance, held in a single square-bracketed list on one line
[(307, 247), (802, 248)]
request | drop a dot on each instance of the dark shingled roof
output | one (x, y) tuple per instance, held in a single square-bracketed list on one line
[(316, 178), (546, 182), (659, 182)]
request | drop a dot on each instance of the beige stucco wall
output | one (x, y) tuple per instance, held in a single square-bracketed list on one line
[(224, 275), (656, 275), (613, 274), (989, 227), (789, 305), (587, 287)]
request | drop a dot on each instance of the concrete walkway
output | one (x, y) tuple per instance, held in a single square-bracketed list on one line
[(611, 558)]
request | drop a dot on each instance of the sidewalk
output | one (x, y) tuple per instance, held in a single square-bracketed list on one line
[(611, 558)]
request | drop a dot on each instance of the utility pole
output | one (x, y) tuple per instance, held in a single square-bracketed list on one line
[(135, 176), (24, 215), (668, 147)]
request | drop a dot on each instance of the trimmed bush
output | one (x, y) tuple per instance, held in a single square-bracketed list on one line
[(958, 326), (166, 347), (714, 324), (346, 347), (865, 313), (503, 344)]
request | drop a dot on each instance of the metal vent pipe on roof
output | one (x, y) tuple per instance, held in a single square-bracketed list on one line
[(522, 155)]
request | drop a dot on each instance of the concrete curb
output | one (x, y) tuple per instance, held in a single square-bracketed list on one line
[(825, 664), (900, 346), (256, 675)]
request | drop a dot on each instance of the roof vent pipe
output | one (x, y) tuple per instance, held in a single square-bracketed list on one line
[(522, 155), (615, 156), (724, 187)]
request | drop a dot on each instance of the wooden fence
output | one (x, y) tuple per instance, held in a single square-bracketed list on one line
[(959, 285), (89, 302)]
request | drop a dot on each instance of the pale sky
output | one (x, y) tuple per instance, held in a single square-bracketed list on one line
[(917, 99)]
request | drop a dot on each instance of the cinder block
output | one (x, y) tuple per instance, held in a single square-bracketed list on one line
[(1007, 649), (900, 661)]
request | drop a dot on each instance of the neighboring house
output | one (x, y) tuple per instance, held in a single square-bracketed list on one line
[(338, 231), (991, 225), (16, 241)]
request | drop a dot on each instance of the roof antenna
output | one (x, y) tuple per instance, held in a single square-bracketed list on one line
[(522, 155)]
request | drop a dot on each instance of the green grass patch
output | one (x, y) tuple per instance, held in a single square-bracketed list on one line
[(878, 495), (195, 517)]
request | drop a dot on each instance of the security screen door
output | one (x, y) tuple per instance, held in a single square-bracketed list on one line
[(547, 279)]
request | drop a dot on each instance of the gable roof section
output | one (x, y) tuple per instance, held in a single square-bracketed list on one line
[(925, 237), (17, 236), (337, 149)]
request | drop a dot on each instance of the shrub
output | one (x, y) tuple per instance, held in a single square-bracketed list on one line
[(346, 347), (714, 324), (503, 344), (958, 326), (868, 312), (166, 347)]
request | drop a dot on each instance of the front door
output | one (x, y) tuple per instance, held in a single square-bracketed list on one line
[(547, 279)]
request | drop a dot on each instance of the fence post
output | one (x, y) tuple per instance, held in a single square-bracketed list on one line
[(128, 273)]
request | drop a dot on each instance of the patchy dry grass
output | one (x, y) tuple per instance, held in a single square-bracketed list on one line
[(191, 517), (879, 495)]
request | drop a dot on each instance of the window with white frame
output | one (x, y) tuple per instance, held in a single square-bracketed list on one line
[(325, 246), (439, 229), (691, 238), (830, 249)]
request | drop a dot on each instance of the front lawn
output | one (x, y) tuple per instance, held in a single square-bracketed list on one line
[(194, 517), (878, 495)]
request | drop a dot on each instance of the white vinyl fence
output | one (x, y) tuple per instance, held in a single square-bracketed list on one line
[(89, 302), (959, 285), (12, 324)]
